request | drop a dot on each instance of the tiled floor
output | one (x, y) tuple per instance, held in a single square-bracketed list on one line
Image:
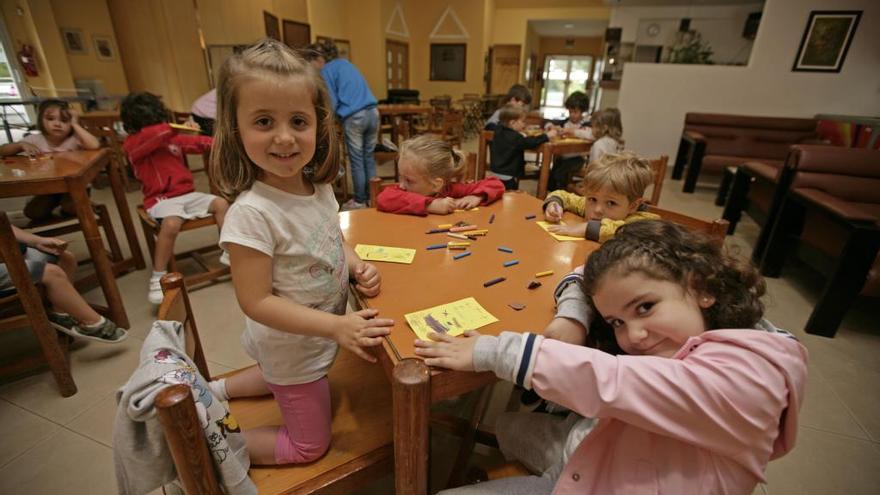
[(57, 445)]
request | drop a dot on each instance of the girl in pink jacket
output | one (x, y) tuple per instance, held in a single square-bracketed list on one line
[(701, 395), (430, 181)]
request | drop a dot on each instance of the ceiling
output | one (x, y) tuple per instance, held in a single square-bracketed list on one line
[(569, 27), (672, 3)]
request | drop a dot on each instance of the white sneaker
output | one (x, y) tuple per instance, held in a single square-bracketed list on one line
[(351, 204), (154, 295)]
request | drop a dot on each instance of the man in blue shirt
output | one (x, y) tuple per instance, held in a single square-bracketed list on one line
[(355, 105)]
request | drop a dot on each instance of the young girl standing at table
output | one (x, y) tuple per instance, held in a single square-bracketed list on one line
[(275, 153), (430, 181), (608, 133), (703, 394), (59, 131)]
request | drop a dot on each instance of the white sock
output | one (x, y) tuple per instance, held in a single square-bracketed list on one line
[(218, 388), (99, 323), (157, 275)]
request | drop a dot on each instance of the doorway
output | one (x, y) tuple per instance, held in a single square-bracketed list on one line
[(563, 75), (503, 68), (397, 63)]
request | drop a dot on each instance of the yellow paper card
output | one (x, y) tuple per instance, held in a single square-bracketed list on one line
[(453, 318), (545, 225), (385, 253)]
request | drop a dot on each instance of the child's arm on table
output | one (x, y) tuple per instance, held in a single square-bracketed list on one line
[(393, 199), (365, 274), (573, 313), (473, 194), (19, 147), (571, 202), (252, 279)]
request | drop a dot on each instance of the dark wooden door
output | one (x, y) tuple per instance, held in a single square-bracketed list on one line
[(297, 34), (397, 63)]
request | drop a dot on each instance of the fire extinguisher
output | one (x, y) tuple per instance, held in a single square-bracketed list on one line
[(28, 60)]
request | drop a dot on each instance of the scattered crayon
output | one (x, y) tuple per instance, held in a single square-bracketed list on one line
[(463, 228), (505, 249), (471, 237), (544, 274), (517, 306), (529, 217), (480, 233), (458, 243), (437, 246), (461, 255), (458, 247), (492, 218), (444, 226), (534, 284), (458, 236), (511, 263), (494, 281), (436, 231)]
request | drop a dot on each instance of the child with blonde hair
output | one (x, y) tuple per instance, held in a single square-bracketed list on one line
[(276, 153), (430, 181), (607, 132), (693, 390), (614, 187)]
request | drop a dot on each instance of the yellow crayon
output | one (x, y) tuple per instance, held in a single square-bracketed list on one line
[(458, 236), (454, 243), (544, 274), (444, 226)]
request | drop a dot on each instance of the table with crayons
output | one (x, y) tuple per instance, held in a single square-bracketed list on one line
[(513, 247)]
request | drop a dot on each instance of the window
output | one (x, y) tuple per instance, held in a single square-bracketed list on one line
[(563, 75)]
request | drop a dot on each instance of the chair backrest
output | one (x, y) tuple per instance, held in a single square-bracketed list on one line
[(715, 229), (483, 153), (176, 307), (659, 166)]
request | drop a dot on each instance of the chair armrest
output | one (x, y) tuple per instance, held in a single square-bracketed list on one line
[(832, 204), (693, 136)]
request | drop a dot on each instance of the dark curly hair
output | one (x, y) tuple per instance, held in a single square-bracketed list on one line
[(579, 100), (666, 251), (139, 110)]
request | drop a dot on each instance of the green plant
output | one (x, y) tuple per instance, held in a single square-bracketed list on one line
[(691, 49)]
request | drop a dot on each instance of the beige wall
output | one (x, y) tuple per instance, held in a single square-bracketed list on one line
[(325, 20), (655, 97)]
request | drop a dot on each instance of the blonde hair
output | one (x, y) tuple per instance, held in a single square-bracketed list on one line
[(607, 123), (625, 173), (231, 169), (510, 112), (438, 158)]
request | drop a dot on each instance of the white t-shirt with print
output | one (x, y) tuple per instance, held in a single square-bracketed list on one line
[(302, 235)]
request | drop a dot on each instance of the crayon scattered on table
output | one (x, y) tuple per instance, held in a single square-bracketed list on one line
[(517, 306), (471, 237), (437, 246), (492, 218), (461, 255), (505, 249), (511, 263), (529, 217), (458, 236), (444, 226), (494, 281), (463, 228), (457, 247), (544, 274), (534, 284), (436, 231), (458, 243)]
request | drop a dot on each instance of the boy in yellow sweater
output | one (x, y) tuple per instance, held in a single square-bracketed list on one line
[(614, 187)]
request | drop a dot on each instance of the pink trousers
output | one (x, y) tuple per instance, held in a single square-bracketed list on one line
[(305, 408)]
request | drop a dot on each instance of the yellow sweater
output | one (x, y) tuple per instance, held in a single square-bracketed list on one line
[(596, 230)]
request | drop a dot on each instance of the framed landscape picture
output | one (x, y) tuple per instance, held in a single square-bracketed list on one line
[(104, 48), (74, 41), (826, 40)]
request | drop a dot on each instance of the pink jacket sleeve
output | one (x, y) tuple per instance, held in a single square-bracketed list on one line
[(722, 397), (491, 189), (395, 200), (192, 144)]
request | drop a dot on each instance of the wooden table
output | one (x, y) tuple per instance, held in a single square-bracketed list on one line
[(71, 172), (434, 278)]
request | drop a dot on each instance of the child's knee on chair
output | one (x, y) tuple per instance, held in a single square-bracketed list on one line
[(289, 450)]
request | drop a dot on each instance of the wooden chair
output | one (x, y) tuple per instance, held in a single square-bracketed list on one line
[(659, 165), (483, 153), (714, 229), (25, 308), (61, 226), (102, 126), (377, 185), (361, 448)]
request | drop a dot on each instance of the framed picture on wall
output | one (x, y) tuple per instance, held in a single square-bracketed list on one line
[(74, 41), (826, 40), (448, 61), (104, 48), (272, 29)]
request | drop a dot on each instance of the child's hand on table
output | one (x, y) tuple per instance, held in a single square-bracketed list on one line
[(449, 352), (468, 202), (361, 329), (368, 279), (442, 206), (577, 230), (553, 212)]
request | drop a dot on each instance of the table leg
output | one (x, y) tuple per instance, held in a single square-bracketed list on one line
[(411, 388), (103, 267), (117, 186), (544, 178)]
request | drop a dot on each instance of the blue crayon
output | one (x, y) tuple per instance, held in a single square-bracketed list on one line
[(505, 249), (492, 218), (494, 281), (437, 246), (511, 263), (461, 255), (529, 217)]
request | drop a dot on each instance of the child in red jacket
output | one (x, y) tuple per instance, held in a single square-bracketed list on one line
[(155, 151), (430, 171)]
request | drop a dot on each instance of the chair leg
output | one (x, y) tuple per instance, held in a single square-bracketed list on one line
[(467, 442), (150, 236), (724, 187), (777, 237), (684, 149), (845, 282), (693, 170), (106, 223), (411, 389), (736, 199)]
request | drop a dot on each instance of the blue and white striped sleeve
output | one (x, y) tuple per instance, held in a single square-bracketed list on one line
[(511, 356)]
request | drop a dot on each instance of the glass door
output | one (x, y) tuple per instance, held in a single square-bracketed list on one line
[(563, 75)]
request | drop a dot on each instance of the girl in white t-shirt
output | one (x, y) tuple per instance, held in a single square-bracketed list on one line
[(275, 153), (608, 133), (59, 131)]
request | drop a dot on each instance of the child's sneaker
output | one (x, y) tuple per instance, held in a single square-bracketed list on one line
[(154, 295), (105, 331), (351, 204)]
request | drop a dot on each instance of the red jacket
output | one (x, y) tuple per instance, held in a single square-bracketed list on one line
[(395, 200), (156, 155)]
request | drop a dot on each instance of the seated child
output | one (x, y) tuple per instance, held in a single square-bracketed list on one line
[(430, 171), (614, 187), (155, 151), (694, 391), (48, 262), (507, 161), (59, 131), (518, 95), (576, 125), (607, 132)]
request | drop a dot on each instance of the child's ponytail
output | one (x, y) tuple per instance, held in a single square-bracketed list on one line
[(438, 157)]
